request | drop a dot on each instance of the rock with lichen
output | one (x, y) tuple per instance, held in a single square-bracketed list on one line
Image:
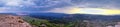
[(12, 21)]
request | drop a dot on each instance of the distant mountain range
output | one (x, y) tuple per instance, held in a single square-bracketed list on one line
[(51, 16), (74, 16)]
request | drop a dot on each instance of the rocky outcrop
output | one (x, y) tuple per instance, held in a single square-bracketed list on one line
[(12, 21)]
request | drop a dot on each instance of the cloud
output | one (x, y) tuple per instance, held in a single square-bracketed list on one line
[(62, 10), (55, 5), (93, 11), (58, 10), (32, 5), (96, 3), (13, 5)]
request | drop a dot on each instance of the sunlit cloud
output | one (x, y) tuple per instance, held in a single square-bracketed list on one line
[(107, 7), (101, 7), (94, 11)]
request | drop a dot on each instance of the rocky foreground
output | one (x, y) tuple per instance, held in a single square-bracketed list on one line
[(12, 21)]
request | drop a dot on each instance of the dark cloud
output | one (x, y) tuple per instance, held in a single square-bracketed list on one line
[(46, 5)]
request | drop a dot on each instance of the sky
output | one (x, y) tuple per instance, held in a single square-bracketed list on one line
[(96, 7)]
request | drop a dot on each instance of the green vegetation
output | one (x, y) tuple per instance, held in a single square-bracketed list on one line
[(38, 22), (66, 23)]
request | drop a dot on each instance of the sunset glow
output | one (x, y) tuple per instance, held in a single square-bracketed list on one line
[(97, 11)]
